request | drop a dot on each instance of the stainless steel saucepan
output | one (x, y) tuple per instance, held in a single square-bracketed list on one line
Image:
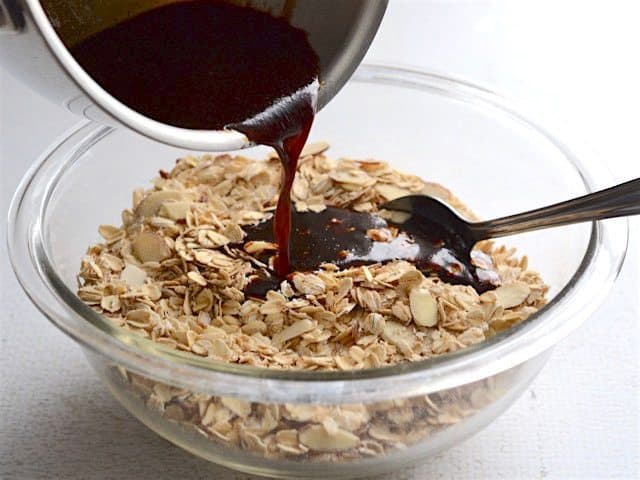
[(34, 34)]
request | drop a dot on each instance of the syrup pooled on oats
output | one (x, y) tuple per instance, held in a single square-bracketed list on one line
[(349, 239)]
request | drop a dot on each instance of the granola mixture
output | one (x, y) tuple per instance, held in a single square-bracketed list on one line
[(170, 274), (317, 433)]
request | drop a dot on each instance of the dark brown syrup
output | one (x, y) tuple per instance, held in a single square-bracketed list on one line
[(209, 65), (200, 64), (339, 236)]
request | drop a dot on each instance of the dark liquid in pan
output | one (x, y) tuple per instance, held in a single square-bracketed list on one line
[(207, 65)]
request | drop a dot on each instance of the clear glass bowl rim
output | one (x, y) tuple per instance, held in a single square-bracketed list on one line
[(573, 304)]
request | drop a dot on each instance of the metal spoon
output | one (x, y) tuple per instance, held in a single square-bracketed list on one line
[(621, 200)]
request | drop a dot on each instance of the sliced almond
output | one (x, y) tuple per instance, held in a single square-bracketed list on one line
[(112, 262), (423, 307), (110, 233), (150, 205), (395, 216), (512, 295), (203, 301), (380, 432), (220, 349), (237, 406), (150, 247), (304, 413), (379, 234), (353, 177), (309, 284), (175, 210), (216, 239), (317, 438), (287, 437), (314, 148), (293, 331), (257, 246), (391, 192), (233, 232), (133, 276)]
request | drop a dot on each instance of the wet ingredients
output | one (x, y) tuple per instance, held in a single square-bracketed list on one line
[(346, 238)]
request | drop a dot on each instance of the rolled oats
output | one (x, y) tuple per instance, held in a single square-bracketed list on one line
[(175, 273)]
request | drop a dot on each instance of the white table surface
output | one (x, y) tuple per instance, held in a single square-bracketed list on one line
[(575, 65)]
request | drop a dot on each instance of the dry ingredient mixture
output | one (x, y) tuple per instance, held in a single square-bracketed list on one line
[(176, 271)]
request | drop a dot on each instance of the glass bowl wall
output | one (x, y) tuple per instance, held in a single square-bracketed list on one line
[(441, 129)]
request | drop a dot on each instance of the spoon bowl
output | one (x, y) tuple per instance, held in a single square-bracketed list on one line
[(460, 235)]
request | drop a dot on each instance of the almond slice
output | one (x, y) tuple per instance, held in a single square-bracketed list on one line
[(287, 437), (423, 307), (150, 205), (220, 349), (133, 276), (316, 437), (237, 406), (293, 331), (351, 177), (309, 284), (110, 233), (150, 247), (314, 148), (257, 246), (175, 210), (390, 192), (512, 295)]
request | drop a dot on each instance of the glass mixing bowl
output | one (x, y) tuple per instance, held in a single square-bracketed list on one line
[(444, 130)]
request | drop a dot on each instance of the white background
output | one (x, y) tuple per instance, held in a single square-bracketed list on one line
[(576, 64)]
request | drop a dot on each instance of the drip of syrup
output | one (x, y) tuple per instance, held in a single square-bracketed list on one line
[(285, 127)]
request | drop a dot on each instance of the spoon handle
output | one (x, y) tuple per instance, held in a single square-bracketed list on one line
[(618, 201)]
